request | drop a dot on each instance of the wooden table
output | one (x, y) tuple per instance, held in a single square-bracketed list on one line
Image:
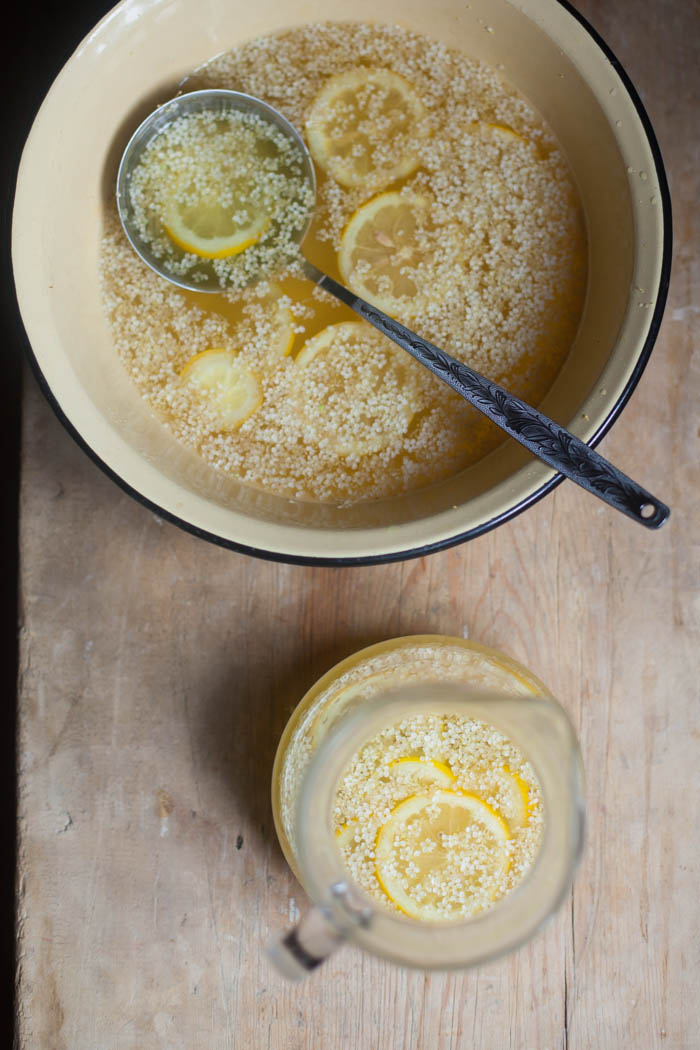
[(157, 673)]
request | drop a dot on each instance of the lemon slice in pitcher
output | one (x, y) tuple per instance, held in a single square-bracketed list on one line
[(382, 250), (442, 855), (345, 834), (515, 793), (423, 771), (365, 127), (228, 387)]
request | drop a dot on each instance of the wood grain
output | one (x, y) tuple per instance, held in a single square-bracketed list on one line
[(158, 673)]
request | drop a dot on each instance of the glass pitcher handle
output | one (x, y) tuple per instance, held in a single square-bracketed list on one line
[(297, 952), (319, 932)]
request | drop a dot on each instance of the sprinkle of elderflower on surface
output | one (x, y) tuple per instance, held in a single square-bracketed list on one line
[(502, 257)]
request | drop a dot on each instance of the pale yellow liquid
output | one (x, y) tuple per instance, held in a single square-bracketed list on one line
[(438, 817), (370, 673), (326, 311), (518, 335)]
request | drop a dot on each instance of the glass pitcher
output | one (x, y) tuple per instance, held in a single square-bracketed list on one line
[(512, 702)]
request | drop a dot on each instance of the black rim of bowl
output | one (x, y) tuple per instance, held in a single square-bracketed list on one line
[(479, 530)]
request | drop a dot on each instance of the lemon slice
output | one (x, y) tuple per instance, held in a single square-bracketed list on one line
[(321, 345), (443, 855), (229, 388), (282, 332), (209, 230), (383, 249), (354, 390), (277, 324), (503, 133), (516, 805), (345, 834), (365, 127), (423, 771)]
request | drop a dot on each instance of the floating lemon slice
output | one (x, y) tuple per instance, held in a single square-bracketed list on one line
[(503, 132), (208, 229), (516, 806), (365, 127), (441, 855), (277, 325), (424, 771), (320, 345), (382, 249), (226, 384), (354, 390), (345, 834), (282, 336)]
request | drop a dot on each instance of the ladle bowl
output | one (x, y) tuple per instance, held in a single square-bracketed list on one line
[(208, 100)]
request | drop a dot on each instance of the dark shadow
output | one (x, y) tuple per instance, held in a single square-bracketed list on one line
[(241, 728), (43, 34)]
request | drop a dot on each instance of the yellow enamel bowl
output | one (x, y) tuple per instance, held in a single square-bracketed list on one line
[(134, 59)]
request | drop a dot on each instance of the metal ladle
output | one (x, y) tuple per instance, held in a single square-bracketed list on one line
[(547, 440)]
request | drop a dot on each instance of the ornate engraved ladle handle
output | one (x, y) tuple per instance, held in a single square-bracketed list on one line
[(541, 435)]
